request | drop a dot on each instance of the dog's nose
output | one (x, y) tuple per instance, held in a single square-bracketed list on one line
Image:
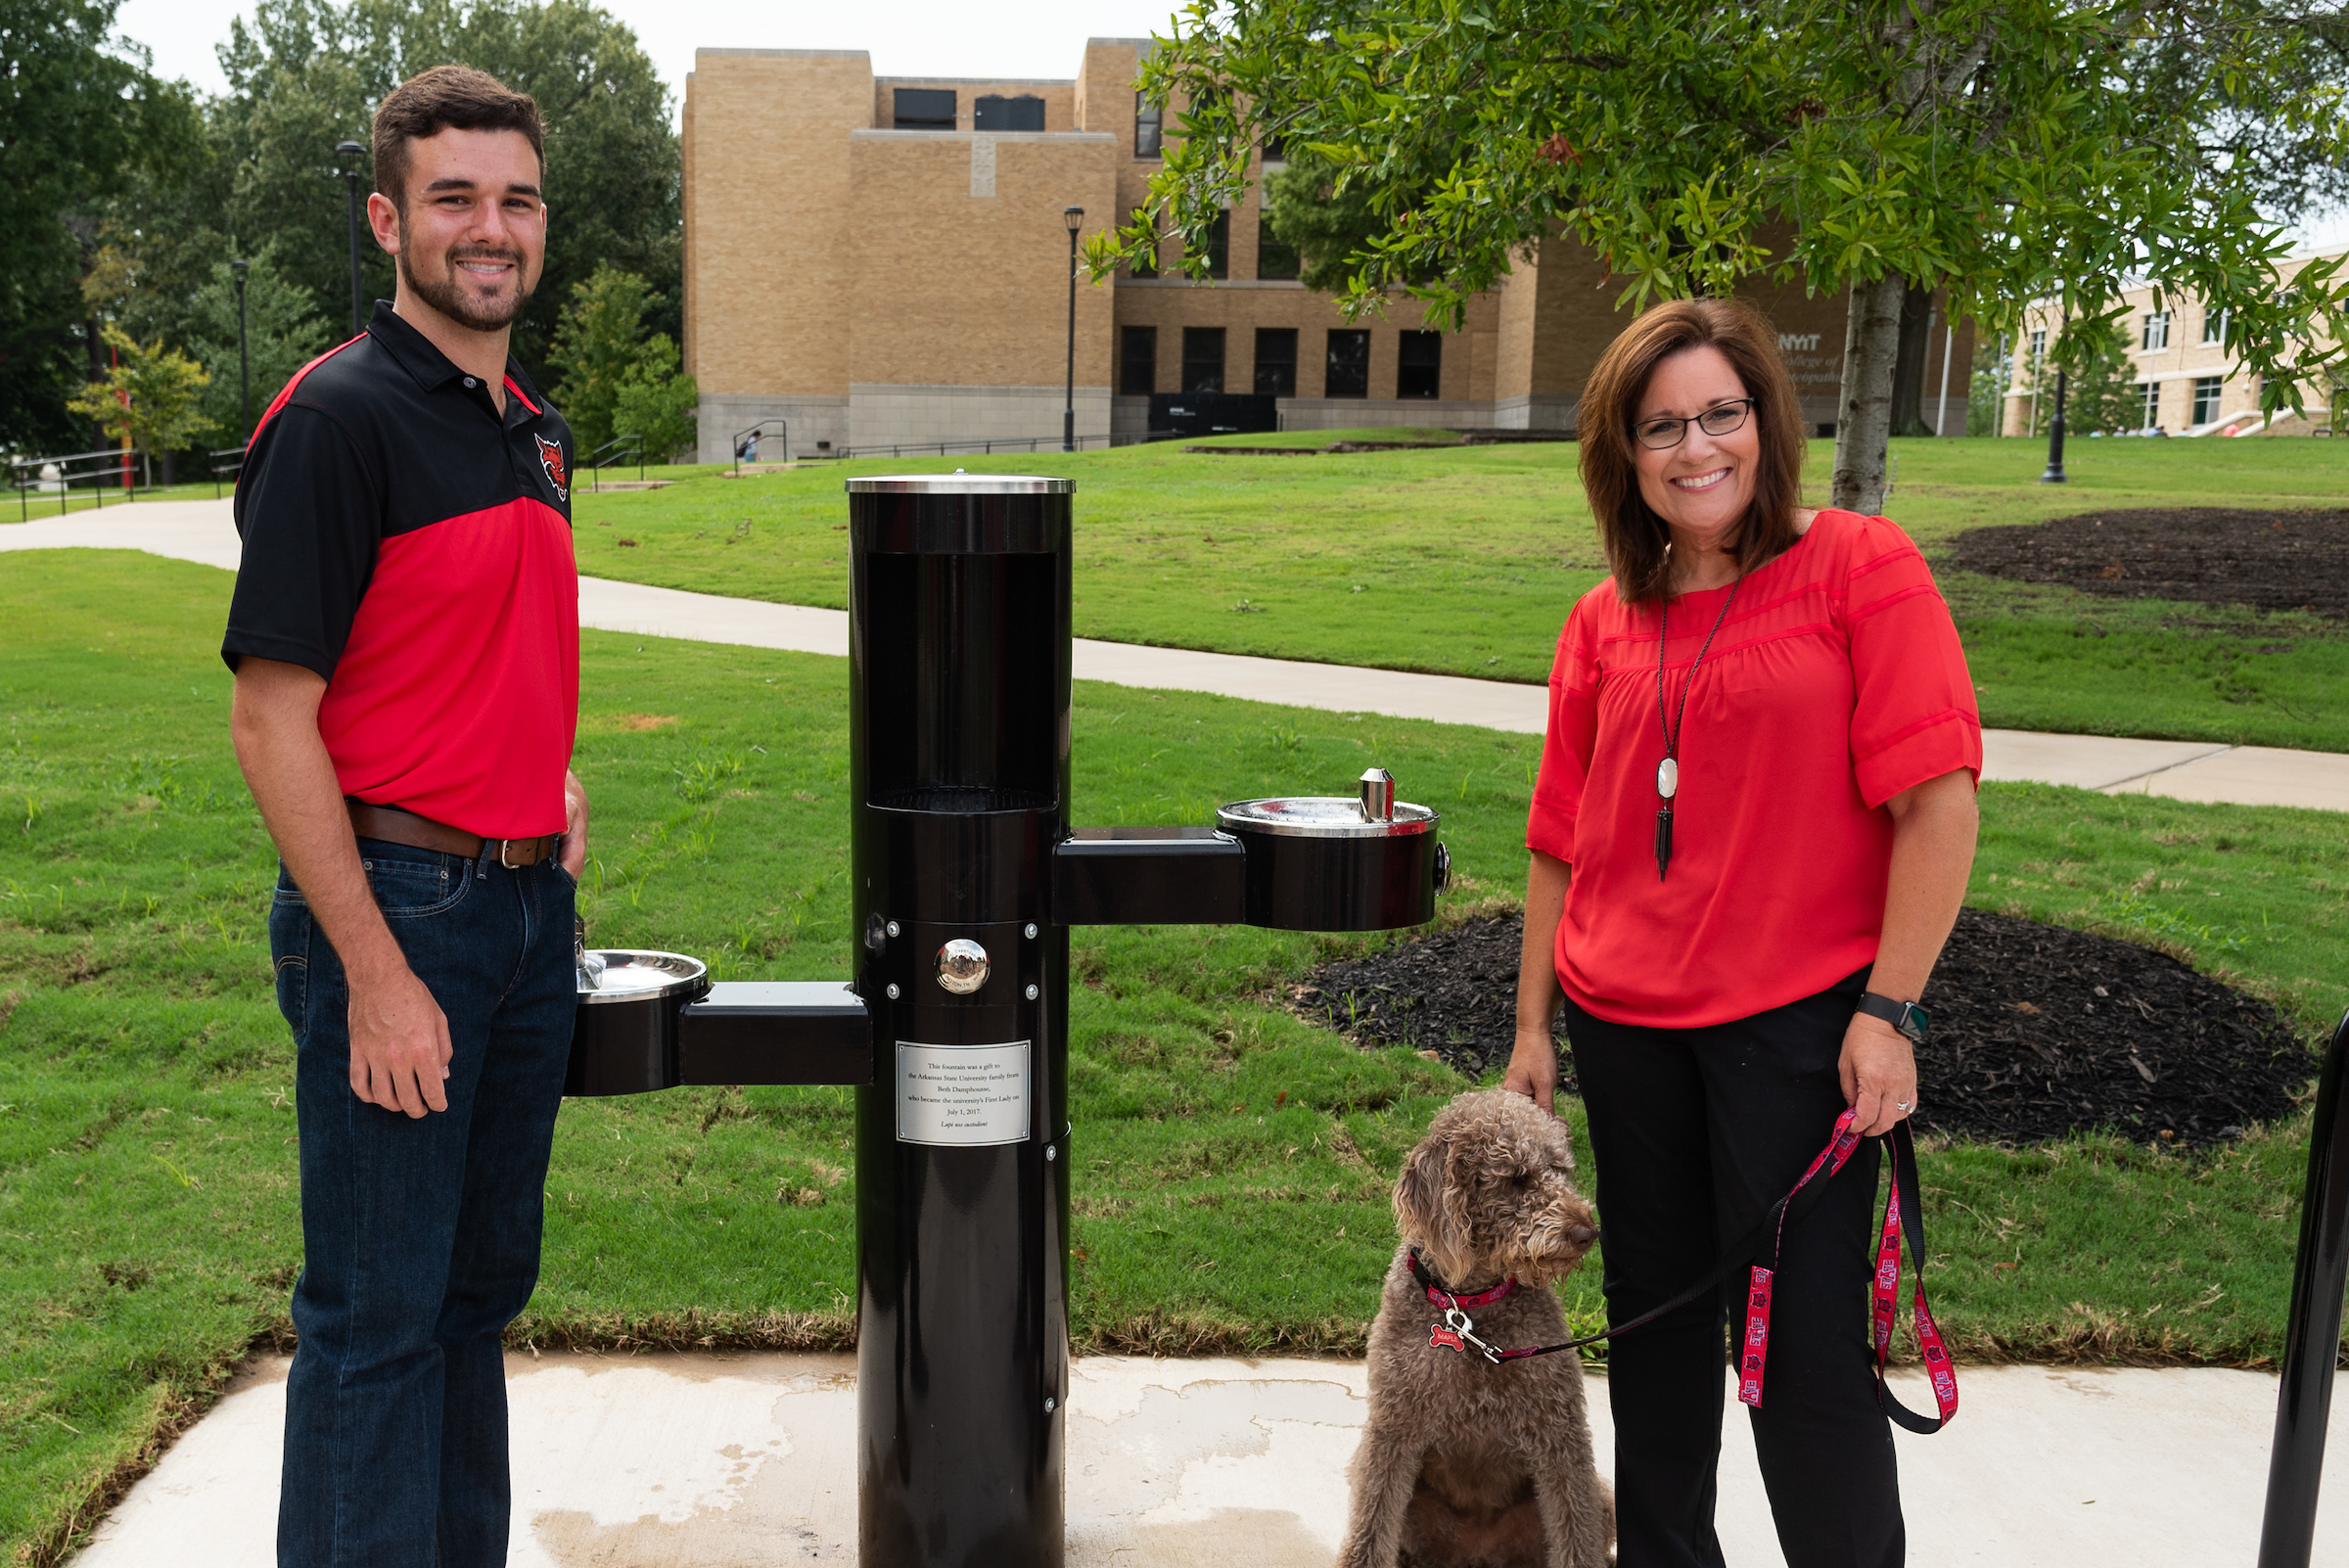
[(1581, 1235)]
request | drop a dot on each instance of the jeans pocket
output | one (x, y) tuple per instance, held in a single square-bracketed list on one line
[(406, 890), (290, 957)]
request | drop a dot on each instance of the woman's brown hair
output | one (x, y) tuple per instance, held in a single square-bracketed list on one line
[(1634, 536)]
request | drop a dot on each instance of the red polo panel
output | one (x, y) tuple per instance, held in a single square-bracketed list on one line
[(445, 702)]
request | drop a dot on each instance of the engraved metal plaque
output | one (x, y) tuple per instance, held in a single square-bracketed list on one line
[(962, 1094)]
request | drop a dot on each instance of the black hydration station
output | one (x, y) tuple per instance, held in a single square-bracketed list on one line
[(954, 1024)]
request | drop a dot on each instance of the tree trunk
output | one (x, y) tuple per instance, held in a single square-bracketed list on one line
[(1871, 340), (1908, 369)]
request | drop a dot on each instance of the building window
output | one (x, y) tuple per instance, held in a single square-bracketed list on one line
[(1276, 149), (1419, 365), (1275, 257), (930, 109), (1203, 359), (1348, 373), (994, 113), (2148, 404), (2207, 391), (2038, 344), (2157, 330), (1277, 361), (1147, 120), (1219, 246), (1138, 361), (2213, 325)]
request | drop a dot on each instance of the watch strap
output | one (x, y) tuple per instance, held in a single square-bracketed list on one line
[(1906, 1017)]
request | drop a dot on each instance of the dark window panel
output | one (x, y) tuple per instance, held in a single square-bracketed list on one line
[(1349, 368), (924, 109), (1277, 361), (1147, 124), (1419, 370), (1138, 361), (1275, 257), (2209, 391), (1219, 246), (1203, 359), (996, 112)]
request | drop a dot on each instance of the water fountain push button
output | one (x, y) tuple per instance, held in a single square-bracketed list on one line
[(962, 966)]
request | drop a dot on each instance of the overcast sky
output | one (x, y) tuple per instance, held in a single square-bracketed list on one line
[(906, 38)]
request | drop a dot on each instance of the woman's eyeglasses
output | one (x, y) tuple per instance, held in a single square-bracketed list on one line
[(1719, 420)]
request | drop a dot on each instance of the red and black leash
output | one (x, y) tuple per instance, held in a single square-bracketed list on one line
[(1903, 1215)]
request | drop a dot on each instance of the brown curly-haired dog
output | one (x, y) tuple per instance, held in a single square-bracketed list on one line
[(1465, 1464)]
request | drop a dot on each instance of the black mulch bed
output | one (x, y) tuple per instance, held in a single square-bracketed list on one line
[(2268, 560), (2036, 1031)]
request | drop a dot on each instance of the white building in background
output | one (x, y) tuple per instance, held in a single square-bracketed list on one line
[(2190, 380)]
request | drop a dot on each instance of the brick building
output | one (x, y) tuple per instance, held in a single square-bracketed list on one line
[(2190, 380), (882, 261)]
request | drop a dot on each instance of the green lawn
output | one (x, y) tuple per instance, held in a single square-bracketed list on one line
[(1231, 1162), (1465, 561)]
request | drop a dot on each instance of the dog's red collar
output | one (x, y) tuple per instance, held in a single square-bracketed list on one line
[(1442, 1296)]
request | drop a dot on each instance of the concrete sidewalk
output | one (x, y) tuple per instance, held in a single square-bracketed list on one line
[(2191, 770), (708, 1461)]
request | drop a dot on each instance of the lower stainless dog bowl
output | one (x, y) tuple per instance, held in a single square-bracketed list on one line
[(1327, 863), (624, 1040)]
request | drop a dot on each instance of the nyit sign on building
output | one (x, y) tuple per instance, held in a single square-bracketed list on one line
[(883, 261)]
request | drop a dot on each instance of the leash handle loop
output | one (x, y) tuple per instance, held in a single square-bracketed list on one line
[(1904, 1212)]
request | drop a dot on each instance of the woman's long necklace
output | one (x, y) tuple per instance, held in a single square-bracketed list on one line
[(1668, 771)]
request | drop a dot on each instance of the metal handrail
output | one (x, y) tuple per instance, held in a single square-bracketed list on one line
[(782, 430), (984, 446), (101, 463), (2312, 1342), (620, 449), (236, 467)]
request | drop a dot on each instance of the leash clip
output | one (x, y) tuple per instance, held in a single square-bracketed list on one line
[(1461, 1325)]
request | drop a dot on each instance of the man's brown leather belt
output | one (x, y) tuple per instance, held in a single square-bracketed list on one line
[(394, 826)]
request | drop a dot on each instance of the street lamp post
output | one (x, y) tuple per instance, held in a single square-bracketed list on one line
[(350, 153), (238, 269), (2055, 474), (1074, 217)]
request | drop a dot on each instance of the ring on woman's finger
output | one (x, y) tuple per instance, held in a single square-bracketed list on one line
[(1902, 1106)]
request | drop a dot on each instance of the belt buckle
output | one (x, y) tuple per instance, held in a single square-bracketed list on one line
[(504, 845)]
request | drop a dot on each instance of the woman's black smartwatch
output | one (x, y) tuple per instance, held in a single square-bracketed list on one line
[(1906, 1017)]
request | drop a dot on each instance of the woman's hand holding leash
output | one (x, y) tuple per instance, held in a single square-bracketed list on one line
[(1880, 1075)]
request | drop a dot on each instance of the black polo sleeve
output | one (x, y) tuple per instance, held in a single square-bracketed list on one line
[(310, 513)]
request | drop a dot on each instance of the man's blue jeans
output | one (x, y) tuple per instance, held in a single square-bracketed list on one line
[(420, 1237)]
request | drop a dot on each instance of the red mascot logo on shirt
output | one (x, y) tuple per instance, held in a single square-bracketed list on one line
[(550, 458)]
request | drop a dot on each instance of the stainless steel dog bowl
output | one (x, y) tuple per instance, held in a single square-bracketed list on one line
[(1330, 863), (623, 1037)]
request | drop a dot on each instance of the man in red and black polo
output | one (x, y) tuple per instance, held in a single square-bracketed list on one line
[(404, 633)]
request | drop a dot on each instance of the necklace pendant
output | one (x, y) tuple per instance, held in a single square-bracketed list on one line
[(1668, 780)]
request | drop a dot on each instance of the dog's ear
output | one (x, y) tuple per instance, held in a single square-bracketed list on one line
[(1418, 1191), (1558, 1138)]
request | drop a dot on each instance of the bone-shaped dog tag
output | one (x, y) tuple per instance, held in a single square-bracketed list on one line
[(1440, 1338)]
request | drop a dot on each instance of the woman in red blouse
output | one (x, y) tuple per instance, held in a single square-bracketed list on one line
[(1751, 834)]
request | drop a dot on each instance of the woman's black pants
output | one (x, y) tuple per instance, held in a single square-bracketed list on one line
[(1696, 1132)]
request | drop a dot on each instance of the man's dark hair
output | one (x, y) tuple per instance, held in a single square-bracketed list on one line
[(437, 100)]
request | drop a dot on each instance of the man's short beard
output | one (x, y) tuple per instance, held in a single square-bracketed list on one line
[(444, 295)]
